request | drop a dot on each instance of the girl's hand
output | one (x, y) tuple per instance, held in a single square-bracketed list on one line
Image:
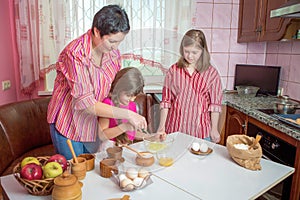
[(137, 121), (161, 135)]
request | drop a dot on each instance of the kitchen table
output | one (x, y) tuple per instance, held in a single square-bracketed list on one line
[(215, 176)]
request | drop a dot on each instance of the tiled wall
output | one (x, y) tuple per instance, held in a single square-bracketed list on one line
[(219, 21)]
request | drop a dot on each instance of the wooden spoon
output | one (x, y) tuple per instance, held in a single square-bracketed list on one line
[(72, 150), (257, 139), (134, 150)]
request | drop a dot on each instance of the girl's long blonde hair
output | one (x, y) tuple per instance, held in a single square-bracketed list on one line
[(197, 38)]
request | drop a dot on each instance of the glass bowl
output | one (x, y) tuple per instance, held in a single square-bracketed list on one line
[(154, 144), (247, 91)]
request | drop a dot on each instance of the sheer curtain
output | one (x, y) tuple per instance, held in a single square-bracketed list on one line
[(44, 27)]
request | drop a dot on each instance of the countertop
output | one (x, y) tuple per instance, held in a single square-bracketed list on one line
[(215, 176), (250, 106)]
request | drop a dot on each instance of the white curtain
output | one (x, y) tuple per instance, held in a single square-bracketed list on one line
[(44, 27)]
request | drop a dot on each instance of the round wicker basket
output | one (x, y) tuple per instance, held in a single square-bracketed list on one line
[(35, 187)]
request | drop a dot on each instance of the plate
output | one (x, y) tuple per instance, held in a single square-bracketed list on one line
[(209, 151)]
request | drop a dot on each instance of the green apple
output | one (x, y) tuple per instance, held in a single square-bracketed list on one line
[(52, 170), (28, 160)]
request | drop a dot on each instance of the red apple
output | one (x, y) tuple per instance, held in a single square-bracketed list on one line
[(32, 171), (60, 159)]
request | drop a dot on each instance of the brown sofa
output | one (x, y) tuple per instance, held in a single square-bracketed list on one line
[(24, 130)]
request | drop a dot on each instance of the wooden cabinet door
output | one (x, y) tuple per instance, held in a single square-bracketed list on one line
[(272, 28), (236, 122), (249, 14), (255, 23)]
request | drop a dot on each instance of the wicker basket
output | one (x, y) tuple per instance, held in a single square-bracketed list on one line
[(35, 187)]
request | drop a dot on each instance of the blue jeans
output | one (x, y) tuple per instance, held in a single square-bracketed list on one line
[(61, 146), (207, 139)]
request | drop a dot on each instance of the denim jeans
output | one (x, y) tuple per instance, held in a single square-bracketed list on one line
[(61, 146)]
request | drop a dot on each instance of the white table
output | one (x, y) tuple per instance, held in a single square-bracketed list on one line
[(215, 176)]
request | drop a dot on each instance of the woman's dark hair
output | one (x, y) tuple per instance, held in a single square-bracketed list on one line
[(130, 81), (197, 38), (111, 19)]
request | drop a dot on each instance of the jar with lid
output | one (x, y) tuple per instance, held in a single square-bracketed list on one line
[(67, 187)]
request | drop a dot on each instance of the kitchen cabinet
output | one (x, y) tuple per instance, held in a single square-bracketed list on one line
[(236, 122), (255, 24)]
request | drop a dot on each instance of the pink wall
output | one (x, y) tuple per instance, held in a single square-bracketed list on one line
[(219, 21), (6, 55), (217, 18)]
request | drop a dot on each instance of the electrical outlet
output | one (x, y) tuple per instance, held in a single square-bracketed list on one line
[(6, 85)]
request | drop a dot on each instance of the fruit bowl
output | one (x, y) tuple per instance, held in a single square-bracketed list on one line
[(154, 144), (41, 187)]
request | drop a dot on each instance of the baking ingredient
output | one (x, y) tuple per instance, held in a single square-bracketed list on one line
[(138, 181), (52, 170), (28, 160), (143, 173), (166, 161), (60, 159), (195, 146), (31, 171), (203, 147), (131, 173), (127, 183), (122, 177), (241, 146), (155, 146)]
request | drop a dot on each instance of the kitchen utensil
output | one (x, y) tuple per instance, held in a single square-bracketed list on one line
[(285, 106), (247, 91), (134, 150), (257, 139), (66, 187), (79, 168), (155, 144), (90, 161), (72, 150), (115, 153), (209, 151), (146, 160), (107, 166)]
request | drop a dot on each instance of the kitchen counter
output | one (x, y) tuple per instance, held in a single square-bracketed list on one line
[(250, 106)]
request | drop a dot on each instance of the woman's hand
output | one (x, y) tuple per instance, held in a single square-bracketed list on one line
[(137, 121), (215, 136)]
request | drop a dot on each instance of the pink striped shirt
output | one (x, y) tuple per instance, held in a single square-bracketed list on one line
[(190, 99), (79, 84)]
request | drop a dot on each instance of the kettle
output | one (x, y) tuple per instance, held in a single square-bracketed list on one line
[(67, 187)]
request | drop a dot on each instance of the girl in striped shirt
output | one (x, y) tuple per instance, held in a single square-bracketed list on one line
[(192, 92)]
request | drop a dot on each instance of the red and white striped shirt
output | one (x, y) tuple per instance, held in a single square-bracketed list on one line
[(79, 84), (190, 99)]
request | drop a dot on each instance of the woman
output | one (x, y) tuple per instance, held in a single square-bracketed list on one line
[(192, 93), (85, 70)]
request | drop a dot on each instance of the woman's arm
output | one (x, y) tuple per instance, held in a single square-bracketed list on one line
[(107, 111), (163, 118), (214, 133)]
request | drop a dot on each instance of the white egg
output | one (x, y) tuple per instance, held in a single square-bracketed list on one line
[(131, 173), (143, 173), (203, 147), (122, 177), (195, 146), (138, 181), (127, 183)]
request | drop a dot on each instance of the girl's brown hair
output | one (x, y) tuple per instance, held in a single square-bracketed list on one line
[(197, 38), (130, 81)]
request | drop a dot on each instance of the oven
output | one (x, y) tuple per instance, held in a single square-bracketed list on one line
[(279, 151)]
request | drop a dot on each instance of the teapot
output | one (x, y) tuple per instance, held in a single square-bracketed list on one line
[(67, 187)]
